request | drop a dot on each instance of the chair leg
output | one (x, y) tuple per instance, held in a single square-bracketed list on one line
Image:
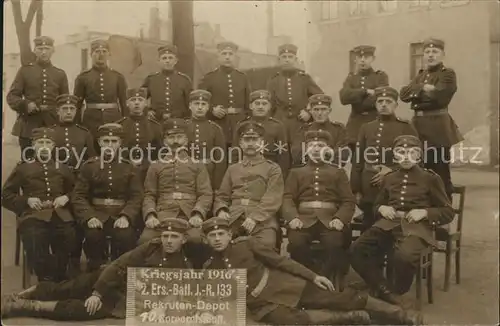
[(419, 287), (17, 254), (447, 268), (430, 293), (457, 262), (27, 271)]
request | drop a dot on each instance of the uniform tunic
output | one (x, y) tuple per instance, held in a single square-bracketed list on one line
[(169, 93), (208, 146), (40, 83), (78, 140), (101, 85), (290, 92), (231, 89), (354, 93)]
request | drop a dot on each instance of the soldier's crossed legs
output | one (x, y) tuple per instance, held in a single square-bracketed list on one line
[(40, 236), (95, 245), (264, 234), (368, 252)]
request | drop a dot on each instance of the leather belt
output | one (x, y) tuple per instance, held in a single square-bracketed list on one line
[(317, 204), (108, 202), (261, 285), (244, 201), (102, 106), (422, 113), (180, 196), (234, 110)]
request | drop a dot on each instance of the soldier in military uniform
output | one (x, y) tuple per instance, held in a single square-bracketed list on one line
[(102, 293), (430, 93), (107, 199), (206, 138), (318, 204), (176, 186), (251, 191), (411, 202), (33, 94), (281, 291), (359, 90), (275, 138), (168, 89), (142, 135), (103, 89), (38, 192), (290, 90), (230, 90), (375, 148), (320, 109), (74, 145)]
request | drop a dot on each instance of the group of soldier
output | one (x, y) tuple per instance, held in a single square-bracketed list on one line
[(168, 176)]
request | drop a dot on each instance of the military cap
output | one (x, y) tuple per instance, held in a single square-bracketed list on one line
[(433, 43), (173, 224), (384, 91), (287, 48), (167, 48), (320, 99), (364, 50), (200, 95), (174, 126), (407, 141), (43, 40), (137, 92), (110, 129), (43, 132), (99, 44), (318, 135), (250, 129), (215, 223), (227, 45), (67, 99), (260, 94)]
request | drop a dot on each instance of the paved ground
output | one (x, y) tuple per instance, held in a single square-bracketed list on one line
[(474, 301)]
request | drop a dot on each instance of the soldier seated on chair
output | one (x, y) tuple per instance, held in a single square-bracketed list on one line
[(102, 293), (318, 205), (281, 291), (107, 199), (251, 191), (38, 192), (411, 202)]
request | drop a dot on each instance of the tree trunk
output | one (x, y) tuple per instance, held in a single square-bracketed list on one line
[(39, 20), (183, 35), (23, 28)]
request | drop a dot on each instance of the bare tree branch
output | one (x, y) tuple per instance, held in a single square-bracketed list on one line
[(34, 5)]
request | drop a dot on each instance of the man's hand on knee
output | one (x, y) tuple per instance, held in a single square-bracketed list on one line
[(151, 221), (121, 223), (94, 223)]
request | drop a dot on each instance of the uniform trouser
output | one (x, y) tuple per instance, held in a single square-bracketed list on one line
[(95, 245), (315, 298), (369, 217), (437, 159), (334, 248), (25, 146), (263, 234), (70, 296), (368, 251), (39, 237)]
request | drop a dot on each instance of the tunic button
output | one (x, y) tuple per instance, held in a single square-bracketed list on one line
[(402, 198)]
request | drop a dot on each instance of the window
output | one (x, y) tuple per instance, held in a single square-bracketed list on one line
[(420, 3), (416, 56), (352, 62), (387, 5), (85, 59), (449, 3), (329, 10), (357, 7)]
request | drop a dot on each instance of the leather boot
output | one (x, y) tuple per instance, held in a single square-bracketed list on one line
[(328, 317), (393, 314), (14, 306), (387, 295)]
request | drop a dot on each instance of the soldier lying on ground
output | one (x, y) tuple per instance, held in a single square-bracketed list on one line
[(280, 291), (102, 293)]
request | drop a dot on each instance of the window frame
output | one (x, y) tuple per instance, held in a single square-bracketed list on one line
[(418, 4), (416, 51), (326, 15), (382, 10), (84, 59), (453, 3)]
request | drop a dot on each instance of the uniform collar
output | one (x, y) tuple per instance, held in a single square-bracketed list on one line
[(168, 72), (67, 124), (289, 72), (313, 164), (258, 160), (44, 64), (199, 119), (181, 155), (320, 124), (366, 72), (435, 68), (100, 68), (226, 70), (137, 117), (391, 117), (259, 119)]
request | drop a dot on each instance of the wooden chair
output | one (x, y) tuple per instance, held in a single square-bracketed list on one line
[(450, 240)]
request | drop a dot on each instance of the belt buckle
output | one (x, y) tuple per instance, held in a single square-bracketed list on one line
[(177, 195), (245, 202), (419, 113), (108, 201)]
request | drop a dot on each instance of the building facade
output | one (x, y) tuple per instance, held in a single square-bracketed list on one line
[(470, 29)]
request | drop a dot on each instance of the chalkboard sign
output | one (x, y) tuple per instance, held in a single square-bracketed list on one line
[(186, 297)]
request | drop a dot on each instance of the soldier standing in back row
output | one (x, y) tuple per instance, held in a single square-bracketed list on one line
[(290, 90), (168, 89), (429, 93), (103, 90), (230, 91), (359, 90), (33, 93)]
